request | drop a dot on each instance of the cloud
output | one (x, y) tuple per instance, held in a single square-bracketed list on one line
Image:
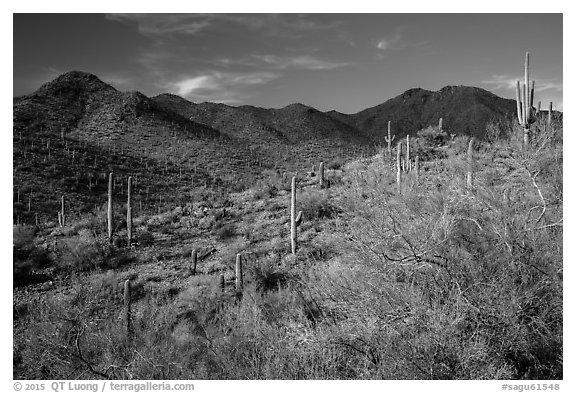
[(280, 25), (152, 25), (389, 43), (299, 62), (397, 42), (217, 86), (304, 62), (500, 82)]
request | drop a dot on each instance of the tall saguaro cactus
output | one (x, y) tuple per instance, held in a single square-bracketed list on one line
[(239, 278), (129, 211), (110, 210), (389, 140), (470, 169), (524, 101), (408, 162), (294, 219), (321, 181), (399, 165), (440, 124), (194, 261), (128, 309), (417, 167)]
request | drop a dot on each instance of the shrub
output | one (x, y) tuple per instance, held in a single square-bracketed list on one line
[(28, 256), (316, 205), (226, 232)]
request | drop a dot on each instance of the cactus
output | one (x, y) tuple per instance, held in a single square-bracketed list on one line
[(239, 277), (128, 309), (321, 181), (550, 115), (408, 162), (62, 212), (417, 167), (222, 283), (389, 140), (524, 101), (398, 165), (294, 219), (440, 124), (129, 211), (469, 176), (194, 261), (110, 210)]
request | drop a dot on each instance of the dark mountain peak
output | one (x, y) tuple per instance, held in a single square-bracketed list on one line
[(296, 106), (415, 91), (74, 82), (172, 98), (465, 110)]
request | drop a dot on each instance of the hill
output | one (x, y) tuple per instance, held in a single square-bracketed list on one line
[(464, 110), (74, 130)]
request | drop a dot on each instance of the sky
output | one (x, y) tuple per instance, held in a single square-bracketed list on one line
[(345, 62)]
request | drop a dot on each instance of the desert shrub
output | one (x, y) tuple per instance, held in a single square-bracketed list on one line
[(428, 144), (28, 256), (89, 251), (316, 205), (84, 252), (446, 265), (144, 237), (226, 232), (266, 274), (264, 189), (433, 137)]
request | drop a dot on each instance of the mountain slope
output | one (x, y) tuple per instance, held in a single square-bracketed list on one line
[(464, 110)]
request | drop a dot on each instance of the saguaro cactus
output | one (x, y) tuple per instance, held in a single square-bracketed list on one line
[(194, 261), (321, 182), (417, 167), (550, 114), (128, 309), (239, 278), (62, 211), (129, 211), (524, 101), (440, 124), (389, 140), (469, 174), (222, 283), (294, 219), (408, 162), (110, 209), (399, 165)]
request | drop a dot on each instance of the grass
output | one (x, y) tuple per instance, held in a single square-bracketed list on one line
[(429, 281)]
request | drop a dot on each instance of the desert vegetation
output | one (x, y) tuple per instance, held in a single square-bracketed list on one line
[(436, 257)]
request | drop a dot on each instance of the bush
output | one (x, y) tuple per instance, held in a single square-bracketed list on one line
[(316, 205), (227, 232), (28, 256)]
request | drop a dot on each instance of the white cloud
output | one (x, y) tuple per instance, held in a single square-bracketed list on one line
[(388, 43), (305, 62), (280, 25), (499, 82), (217, 86), (397, 42)]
